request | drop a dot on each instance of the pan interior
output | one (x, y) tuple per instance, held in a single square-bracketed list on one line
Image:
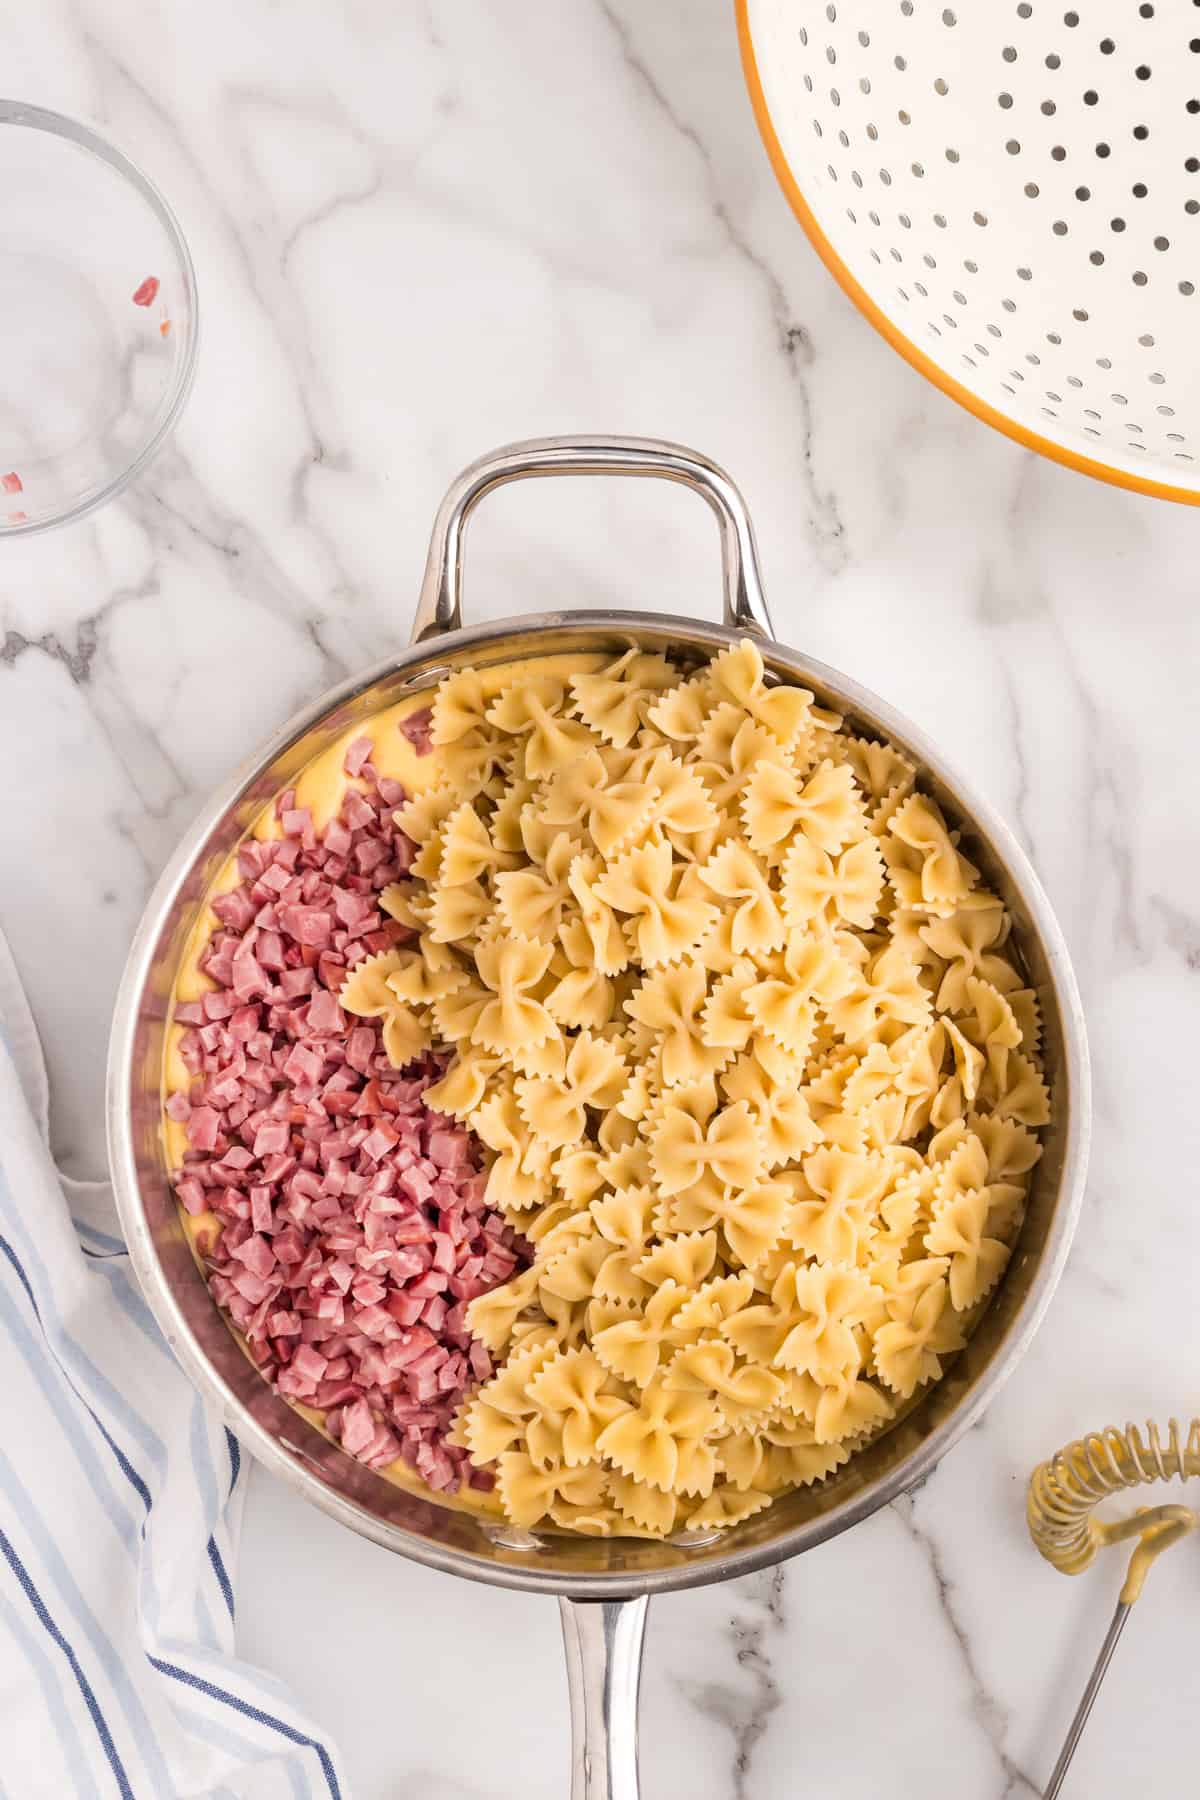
[(418, 1526)]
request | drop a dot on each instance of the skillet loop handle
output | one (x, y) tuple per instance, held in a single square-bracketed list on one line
[(440, 607), (603, 1640)]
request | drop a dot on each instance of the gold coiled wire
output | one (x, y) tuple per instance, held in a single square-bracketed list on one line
[(1063, 1495), (1064, 1492)]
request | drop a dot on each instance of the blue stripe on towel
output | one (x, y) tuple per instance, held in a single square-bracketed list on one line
[(256, 1713), (85, 1687)]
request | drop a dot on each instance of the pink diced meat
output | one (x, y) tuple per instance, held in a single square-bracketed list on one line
[(351, 1225)]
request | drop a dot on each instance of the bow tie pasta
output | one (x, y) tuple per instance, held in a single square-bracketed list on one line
[(754, 1061)]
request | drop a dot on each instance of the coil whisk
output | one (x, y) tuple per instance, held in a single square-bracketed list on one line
[(1064, 1491), (1063, 1495)]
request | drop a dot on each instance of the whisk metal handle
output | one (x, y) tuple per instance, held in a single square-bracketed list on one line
[(1063, 1494), (1083, 1710), (440, 607)]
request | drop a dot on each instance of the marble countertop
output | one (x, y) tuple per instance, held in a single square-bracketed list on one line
[(422, 230)]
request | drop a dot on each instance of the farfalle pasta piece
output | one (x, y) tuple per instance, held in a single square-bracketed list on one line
[(539, 836), (924, 866), (566, 1325), (664, 924), (617, 1277), (648, 1507), (726, 1506), (683, 1260), (885, 996), (793, 1458), (367, 995), (967, 943), (491, 1316), (744, 1391), (614, 701), (476, 764), (1023, 1096), (581, 997), (850, 1407), (783, 1003), (365, 991), (713, 1302), (820, 890), (908, 1351), (495, 1419), (661, 1440), (532, 708), (671, 1003), (459, 708), (457, 914), (741, 1458), (778, 802), (729, 747), (784, 711), (422, 815), (528, 1492), (626, 1158), (781, 1111), (1027, 1011), (727, 1151), (881, 771), (599, 919), (1011, 1149), (511, 968), (576, 1387), (836, 1194), (623, 1216), (967, 1169), (751, 1218), (567, 1265), (467, 851), (505, 821), (960, 1232), (519, 1176), (728, 1022), (807, 1325), (632, 1346), (611, 812), (555, 1108), (734, 874), (990, 1025), (419, 982), (682, 808), (464, 1086), (533, 902), (681, 711)]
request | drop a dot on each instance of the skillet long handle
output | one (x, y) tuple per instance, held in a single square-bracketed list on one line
[(603, 1640), (440, 607)]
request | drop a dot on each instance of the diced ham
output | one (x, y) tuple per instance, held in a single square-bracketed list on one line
[(202, 1128), (358, 753), (416, 729), (307, 924), (351, 1226)]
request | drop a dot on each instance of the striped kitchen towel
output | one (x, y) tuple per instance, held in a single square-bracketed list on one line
[(120, 1497)]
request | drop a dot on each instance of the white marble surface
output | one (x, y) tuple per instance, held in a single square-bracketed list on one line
[(421, 230)]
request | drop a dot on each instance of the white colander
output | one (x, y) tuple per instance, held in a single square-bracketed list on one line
[(1010, 190)]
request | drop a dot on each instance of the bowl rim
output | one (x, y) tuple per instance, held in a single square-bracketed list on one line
[(912, 1468), (912, 353), (56, 124)]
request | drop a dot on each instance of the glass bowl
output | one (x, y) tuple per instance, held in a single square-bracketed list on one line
[(98, 317)]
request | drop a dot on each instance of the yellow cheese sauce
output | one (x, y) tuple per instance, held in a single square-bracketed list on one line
[(321, 787)]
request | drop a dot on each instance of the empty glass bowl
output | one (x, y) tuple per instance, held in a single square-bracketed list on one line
[(98, 320)]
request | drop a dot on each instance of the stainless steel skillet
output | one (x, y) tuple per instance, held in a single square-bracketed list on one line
[(603, 1584)]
